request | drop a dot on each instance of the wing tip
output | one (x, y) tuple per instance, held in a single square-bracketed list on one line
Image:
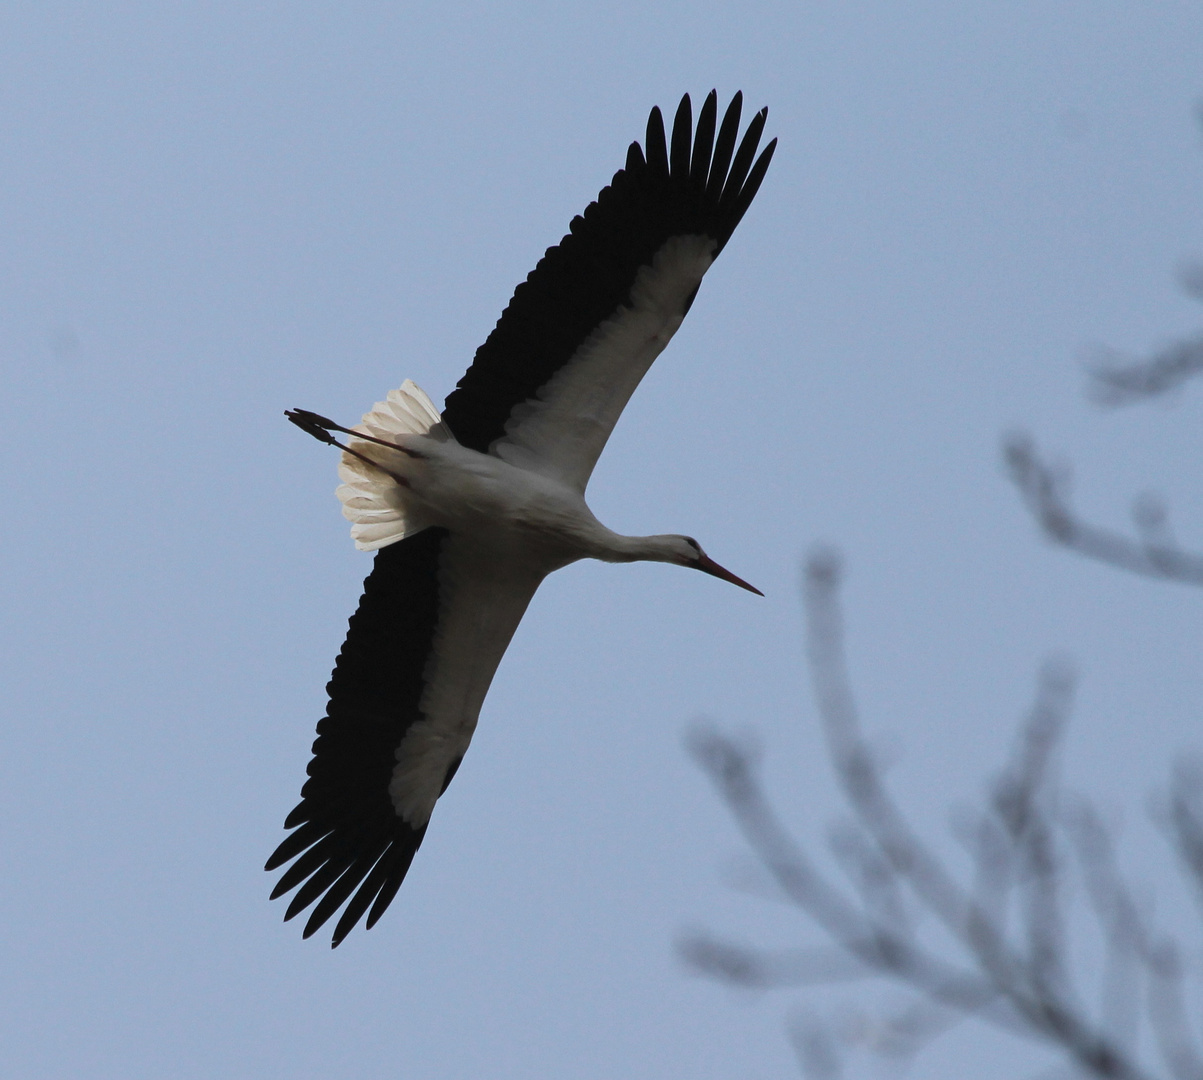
[(360, 876), (656, 197), (723, 173)]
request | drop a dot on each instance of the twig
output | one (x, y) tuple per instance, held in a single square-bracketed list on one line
[(873, 944), (1154, 555), (1116, 378)]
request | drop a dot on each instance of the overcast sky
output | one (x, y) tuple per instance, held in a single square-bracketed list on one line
[(211, 212)]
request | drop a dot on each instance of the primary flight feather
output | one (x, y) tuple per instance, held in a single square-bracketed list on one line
[(470, 510)]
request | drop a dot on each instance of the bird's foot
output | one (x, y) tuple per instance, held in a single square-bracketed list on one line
[(319, 427)]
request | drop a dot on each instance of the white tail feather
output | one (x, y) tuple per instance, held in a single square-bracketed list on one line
[(407, 411), (381, 510)]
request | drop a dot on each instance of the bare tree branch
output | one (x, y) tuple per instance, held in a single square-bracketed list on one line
[(1190, 278), (1024, 800), (1182, 820), (1117, 378), (876, 946), (1005, 958), (1127, 939), (760, 969), (1155, 554), (872, 876), (1035, 984), (1167, 1012), (818, 1054)]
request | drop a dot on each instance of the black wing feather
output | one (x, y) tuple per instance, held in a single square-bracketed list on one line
[(358, 903), (724, 147), (310, 833), (752, 184), (589, 274), (337, 893), (657, 145), (703, 143), (399, 859), (322, 879), (347, 833), (679, 157), (743, 160)]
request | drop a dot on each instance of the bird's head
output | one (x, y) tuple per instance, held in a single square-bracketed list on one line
[(688, 552)]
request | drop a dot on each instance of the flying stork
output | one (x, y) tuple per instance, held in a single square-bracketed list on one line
[(469, 511)]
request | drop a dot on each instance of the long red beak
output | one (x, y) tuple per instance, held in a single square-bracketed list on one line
[(706, 564)]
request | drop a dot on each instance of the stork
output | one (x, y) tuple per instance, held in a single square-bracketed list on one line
[(469, 511)]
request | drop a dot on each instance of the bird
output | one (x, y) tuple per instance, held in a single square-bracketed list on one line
[(468, 510)]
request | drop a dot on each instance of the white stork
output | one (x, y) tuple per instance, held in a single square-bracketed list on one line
[(468, 512)]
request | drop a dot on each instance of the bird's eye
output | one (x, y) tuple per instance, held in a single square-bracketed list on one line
[(693, 544)]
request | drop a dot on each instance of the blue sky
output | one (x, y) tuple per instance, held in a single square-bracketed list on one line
[(213, 212)]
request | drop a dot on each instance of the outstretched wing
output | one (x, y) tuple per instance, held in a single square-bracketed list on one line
[(436, 616), (547, 387)]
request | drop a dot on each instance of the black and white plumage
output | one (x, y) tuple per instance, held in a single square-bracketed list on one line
[(470, 511)]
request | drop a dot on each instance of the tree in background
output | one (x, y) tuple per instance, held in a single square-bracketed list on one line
[(993, 946)]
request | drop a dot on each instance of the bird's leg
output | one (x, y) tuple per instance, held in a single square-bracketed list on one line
[(313, 425), (319, 427)]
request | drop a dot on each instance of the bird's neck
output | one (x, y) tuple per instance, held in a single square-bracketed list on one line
[(621, 548)]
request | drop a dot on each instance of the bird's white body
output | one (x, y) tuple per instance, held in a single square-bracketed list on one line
[(531, 517), (508, 527), (525, 515)]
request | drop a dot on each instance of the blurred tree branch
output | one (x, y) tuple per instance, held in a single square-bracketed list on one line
[(1154, 552), (1000, 952), (994, 947), (1116, 378)]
